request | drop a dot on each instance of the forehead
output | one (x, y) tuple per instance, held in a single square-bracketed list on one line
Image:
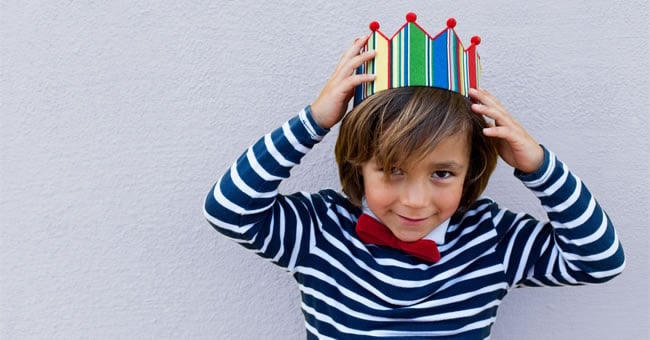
[(451, 150)]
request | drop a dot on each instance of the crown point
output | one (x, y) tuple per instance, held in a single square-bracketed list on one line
[(451, 23), (476, 40), (411, 17), (374, 26)]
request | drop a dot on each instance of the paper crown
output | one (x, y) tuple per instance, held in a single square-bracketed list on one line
[(412, 57)]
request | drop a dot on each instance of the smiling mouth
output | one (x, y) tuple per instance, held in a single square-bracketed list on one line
[(410, 220)]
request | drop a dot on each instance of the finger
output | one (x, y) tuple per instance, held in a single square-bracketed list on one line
[(484, 97), (354, 50), (496, 113), (489, 97), (348, 68), (359, 79), (360, 59), (505, 134), (497, 131), (360, 42), (513, 134), (356, 47), (347, 85)]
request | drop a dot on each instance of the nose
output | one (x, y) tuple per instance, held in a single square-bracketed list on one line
[(415, 195)]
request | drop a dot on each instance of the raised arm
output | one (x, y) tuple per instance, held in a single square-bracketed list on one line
[(245, 204), (578, 243)]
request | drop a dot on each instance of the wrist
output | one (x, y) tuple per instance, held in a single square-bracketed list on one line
[(535, 162), (313, 124), (539, 170), (314, 113), (319, 113)]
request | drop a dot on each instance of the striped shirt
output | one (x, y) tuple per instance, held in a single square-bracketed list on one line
[(353, 290)]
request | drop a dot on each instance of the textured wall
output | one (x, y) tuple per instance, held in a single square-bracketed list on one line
[(117, 116)]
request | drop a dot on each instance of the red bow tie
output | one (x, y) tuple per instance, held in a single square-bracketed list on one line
[(373, 232)]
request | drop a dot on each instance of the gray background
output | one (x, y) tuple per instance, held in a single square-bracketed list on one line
[(118, 116)]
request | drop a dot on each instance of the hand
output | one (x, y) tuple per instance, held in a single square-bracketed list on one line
[(332, 102), (516, 147)]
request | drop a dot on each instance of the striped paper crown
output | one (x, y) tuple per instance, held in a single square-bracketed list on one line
[(412, 57)]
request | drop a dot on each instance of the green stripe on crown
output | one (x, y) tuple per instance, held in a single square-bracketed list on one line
[(417, 46)]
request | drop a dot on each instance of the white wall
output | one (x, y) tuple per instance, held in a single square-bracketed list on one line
[(118, 116)]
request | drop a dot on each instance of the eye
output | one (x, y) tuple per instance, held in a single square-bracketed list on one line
[(442, 174), (394, 171)]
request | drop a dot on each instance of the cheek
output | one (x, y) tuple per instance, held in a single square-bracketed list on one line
[(377, 192), (454, 196)]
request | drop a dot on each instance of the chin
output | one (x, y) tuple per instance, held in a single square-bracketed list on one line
[(410, 237)]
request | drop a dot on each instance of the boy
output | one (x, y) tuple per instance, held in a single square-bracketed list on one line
[(411, 250)]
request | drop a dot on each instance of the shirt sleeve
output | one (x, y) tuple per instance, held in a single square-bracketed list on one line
[(245, 204), (577, 245)]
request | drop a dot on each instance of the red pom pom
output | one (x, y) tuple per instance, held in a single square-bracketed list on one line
[(374, 26), (451, 22), (476, 40), (411, 17)]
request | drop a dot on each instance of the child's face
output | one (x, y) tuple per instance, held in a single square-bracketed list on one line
[(414, 200)]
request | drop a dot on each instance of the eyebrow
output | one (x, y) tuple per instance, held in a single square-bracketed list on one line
[(447, 165)]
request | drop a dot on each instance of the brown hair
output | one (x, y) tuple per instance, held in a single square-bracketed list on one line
[(405, 124)]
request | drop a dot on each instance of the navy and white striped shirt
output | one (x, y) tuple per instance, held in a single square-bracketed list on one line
[(353, 290)]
